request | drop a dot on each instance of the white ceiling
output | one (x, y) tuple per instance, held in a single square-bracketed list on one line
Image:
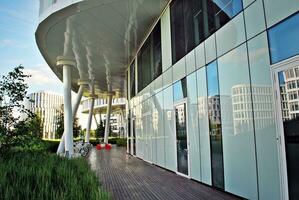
[(102, 35)]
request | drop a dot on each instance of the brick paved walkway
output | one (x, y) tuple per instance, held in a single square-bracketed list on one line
[(126, 177)]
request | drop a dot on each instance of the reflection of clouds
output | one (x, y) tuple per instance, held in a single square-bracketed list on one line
[(258, 53)]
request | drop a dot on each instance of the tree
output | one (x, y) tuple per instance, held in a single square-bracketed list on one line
[(13, 130), (60, 124), (76, 127), (100, 131)]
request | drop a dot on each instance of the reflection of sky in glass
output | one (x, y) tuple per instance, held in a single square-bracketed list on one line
[(229, 7), (284, 39), (281, 78), (212, 79), (179, 90)]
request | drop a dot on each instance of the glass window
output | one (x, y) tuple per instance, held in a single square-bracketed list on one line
[(177, 30), (156, 37), (132, 79), (180, 90), (237, 125), (264, 118), (192, 21), (214, 115), (225, 10), (150, 59), (284, 40)]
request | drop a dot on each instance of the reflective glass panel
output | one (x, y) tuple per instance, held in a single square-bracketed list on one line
[(214, 114), (225, 10), (180, 90), (284, 39), (132, 79), (181, 138)]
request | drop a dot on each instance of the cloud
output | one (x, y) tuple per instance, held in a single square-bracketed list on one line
[(41, 75), (6, 42), (12, 43)]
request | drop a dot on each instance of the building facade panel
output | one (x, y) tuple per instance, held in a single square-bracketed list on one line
[(245, 106)]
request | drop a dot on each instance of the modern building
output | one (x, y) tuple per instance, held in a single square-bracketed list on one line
[(47, 105), (203, 81), (117, 118)]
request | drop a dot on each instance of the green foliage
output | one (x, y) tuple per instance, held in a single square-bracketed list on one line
[(76, 127), (100, 131), (121, 142), (15, 132), (60, 124), (35, 175)]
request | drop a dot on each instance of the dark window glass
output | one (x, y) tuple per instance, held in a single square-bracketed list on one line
[(177, 30), (180, 90), (188, 9), (150, 59), (132, 79), (194, 20), (284, 39), (157, 68), (225, 10), (214, 115)]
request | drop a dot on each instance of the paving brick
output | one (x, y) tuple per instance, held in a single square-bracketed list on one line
[(127, 177)]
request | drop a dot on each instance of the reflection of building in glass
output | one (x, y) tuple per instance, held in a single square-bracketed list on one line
[(262, 102), (289, 88), (214, 109), (47, 105)]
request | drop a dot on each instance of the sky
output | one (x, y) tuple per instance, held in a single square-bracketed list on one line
[(18, 22)]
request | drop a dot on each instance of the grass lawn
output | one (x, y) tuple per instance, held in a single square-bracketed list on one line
[(45, 176)]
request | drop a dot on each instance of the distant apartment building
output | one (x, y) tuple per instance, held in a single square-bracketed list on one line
[(47, 105), (289, 87)]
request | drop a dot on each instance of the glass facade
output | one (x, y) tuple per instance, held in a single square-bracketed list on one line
[(283, 39), (150, 59), (132, 80), (215, 122), (214, 116), (192, 21), (180, 90)]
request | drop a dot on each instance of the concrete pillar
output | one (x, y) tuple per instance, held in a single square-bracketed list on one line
[(90, 114), (67, 65), (95, 119), (68, 125), (74, 112), (107, 126)]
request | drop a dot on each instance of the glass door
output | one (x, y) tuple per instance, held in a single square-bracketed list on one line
[(181, 139), (286, 79)]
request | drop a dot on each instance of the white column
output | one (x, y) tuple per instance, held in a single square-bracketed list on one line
[(107, 126), (68, 122), (95, 119), (67, 64), (88, 128), (74, 112)]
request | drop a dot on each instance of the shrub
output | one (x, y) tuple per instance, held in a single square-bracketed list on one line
[(121, 142), (32, 175)]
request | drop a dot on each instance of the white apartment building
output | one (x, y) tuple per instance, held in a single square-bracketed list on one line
[(47, 105)]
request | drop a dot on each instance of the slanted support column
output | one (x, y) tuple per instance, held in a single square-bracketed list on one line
[(95, 119), (82, 84), (107, 126), (88, 128)]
